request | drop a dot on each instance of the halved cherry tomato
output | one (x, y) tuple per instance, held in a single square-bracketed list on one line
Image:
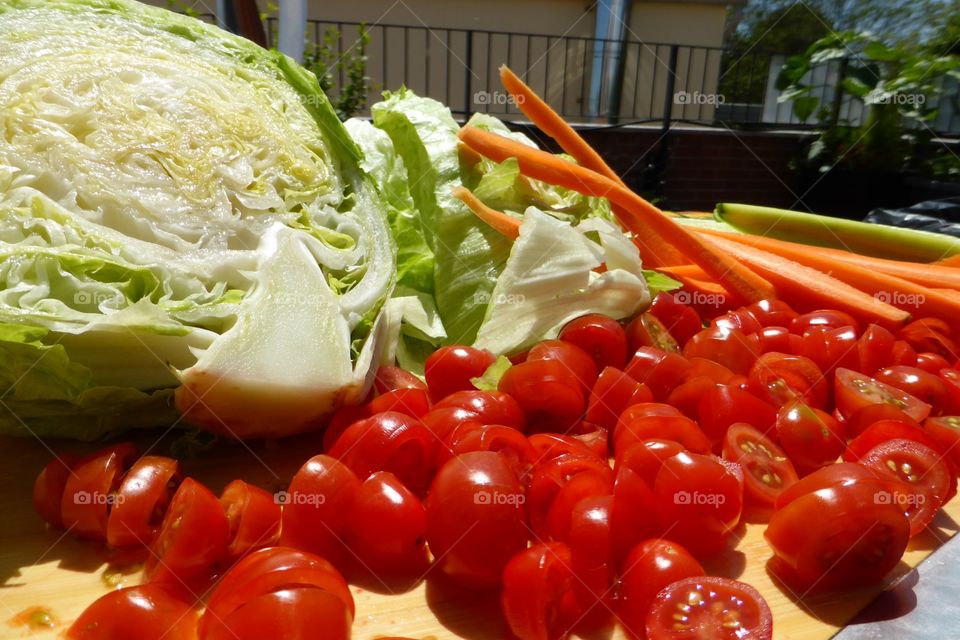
[(650, 567), (547, 390), (493, 407), (412, 402), (390, 378), (951, 380), (550, 476), (90, 490), (857, 423), (193, 537), (613, 392), (450, 369), (387, 527), (142, 499), (945, 431), (686, 397), (812, 438), (646, 330), (932, 362), (475, 518), (659, 370), (678, 428), (773, 313), (729, 347), (929, 479), (646, 458), (709, 607), (292, 614), (741, 319), (703, 368), (926, 387), (343, 419), (269, 571), (699, 501), (766, 469), (49, 487), (779, 378), (145, 612), (884, 430), (775, 339), (591, 549), (507, 441), (575, 359), (842, 474), (841, 536), (441, 422), (316, 506), (722, 406), (875, 349), (254, 516), (547, 446), (537, 599), (600, 336), (631, 513), (680, 320), (830, 348), (904, 354), (826, 318), (854, 391), (930, 335), (583, 485), (392, 442)]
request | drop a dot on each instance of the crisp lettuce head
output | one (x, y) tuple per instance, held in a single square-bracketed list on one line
[(179, 209)]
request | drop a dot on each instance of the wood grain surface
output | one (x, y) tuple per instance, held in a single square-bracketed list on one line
[(40, 567)]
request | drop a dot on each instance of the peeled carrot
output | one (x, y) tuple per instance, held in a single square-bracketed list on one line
[(952, 261), (636, 214), (899, 292), (654, 249), (501, 222), (684, 271), (808, 288)]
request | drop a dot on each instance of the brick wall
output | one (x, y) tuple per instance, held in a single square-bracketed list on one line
[(704, 166)]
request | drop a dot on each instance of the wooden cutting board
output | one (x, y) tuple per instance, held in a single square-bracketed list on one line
[(39, 567)]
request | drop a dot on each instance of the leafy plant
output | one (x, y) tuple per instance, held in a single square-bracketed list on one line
[(901, 88), (324, 59)]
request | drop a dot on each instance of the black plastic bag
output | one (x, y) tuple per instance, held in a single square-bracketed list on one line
[(941, 216)]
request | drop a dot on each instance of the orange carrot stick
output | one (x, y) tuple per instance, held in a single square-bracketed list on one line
[(952, 261), (899, 292), (637, 214), (808, 288), (654, 249), (501, 222)]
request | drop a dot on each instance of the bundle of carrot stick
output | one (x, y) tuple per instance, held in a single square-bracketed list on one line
[(742, 268)]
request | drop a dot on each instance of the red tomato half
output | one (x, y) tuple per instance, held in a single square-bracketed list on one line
[(291, 614), (729, 347), (827, 318), (315, 507), (600, 336), (193, 537), (680, 320), (875, 349), (49, 487), (773, 313), (142, 499), (144, 612), (391, 378), (854, 391), (493, 407), (450, 369), (547, 390), (650, 567), (475, 518), (537, 600), (722, 406), (945, 431), (254, 517), (837, 537), (659, 370), (779, 378), (842, 474), (812, 438), (392, 442), (926, 387), (91, 490), (412, 402), (269, 571), (507, 441), (881, 431), (709, 607), (932, 362), (613, 392), (767, 471), (646, 330)]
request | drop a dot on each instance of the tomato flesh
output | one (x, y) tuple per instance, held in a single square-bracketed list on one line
[(710, 607)]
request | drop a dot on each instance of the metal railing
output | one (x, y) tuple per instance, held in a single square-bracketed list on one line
[(587, 80)]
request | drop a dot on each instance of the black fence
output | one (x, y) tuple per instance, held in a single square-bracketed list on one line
[(585, 79)]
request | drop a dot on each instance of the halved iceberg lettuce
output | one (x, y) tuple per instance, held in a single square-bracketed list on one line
[(179, 210)]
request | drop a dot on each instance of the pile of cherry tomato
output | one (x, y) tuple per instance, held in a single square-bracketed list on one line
[(587, 487)]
